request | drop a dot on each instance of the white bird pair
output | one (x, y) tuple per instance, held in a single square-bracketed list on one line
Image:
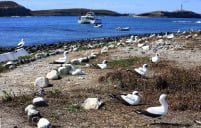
[(154, 112)]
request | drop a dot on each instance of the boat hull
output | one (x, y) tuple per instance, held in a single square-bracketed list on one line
[(97, 21)]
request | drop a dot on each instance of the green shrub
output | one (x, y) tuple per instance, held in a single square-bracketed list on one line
[(74, 108), (8, 96), (124, 63)]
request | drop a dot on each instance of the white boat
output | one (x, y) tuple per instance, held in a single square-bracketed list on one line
[(123, 29), (98, 26), (89, 18)]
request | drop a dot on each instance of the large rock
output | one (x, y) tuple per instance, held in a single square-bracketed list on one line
[(41, 82), (91, 103), (53, 75)]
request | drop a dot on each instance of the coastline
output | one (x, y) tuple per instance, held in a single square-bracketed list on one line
[(56, 45)]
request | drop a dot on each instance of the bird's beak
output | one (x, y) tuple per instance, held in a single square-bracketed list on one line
[(139, 94)]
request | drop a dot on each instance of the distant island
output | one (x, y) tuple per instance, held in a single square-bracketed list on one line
[(74, 12), (175, 14), (10, 8)]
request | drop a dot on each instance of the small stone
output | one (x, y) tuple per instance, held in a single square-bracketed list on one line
[(92, 103)]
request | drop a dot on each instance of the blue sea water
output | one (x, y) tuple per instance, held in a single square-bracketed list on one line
[(50, 29)]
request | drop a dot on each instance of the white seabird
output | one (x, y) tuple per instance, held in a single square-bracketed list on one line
[(158, 111), (170, 36), (92, 56), (132, 99), (103, 65), (142, 70), (21, 43), (130, 40), (76, 71), (44, 123), (63, 59), (75, 61), (156, 58), (133, 39), (84, 59)]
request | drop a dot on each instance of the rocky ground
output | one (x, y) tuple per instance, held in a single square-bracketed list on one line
[(182, 51)]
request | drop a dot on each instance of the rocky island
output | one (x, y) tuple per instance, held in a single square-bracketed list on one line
[(9, 8), (73, 12), (175, 14)]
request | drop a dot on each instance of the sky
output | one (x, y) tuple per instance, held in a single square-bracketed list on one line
[(122, 6)]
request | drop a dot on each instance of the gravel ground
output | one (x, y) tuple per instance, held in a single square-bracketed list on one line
[(114, 114)]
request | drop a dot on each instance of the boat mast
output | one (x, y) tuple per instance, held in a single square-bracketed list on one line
[(181, 9)]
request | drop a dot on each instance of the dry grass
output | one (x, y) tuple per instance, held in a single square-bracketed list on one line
[(183, 86), (2, 67)]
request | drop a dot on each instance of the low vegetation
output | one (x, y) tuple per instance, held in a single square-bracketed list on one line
[(74, 108), (182, 85), (8, 96), (2, 67), (124, 63), (25, 57), (11, 98)]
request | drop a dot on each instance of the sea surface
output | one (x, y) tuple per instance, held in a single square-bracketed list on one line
[(52, 29)]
